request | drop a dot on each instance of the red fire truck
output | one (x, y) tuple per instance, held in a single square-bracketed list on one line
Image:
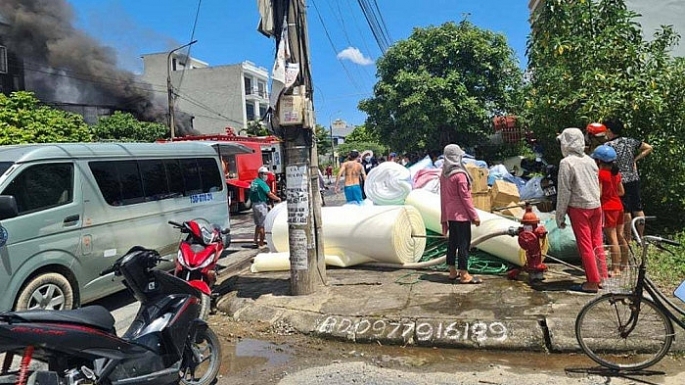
[(241, 169)]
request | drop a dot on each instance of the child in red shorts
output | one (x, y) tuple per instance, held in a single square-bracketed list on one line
[(611, 191)]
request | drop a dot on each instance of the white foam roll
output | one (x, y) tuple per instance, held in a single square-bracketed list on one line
[(269, 222), (388, 184), (381, 233), (505, 247), (281, 261)]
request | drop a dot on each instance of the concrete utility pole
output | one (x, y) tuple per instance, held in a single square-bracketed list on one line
[(170, 88), (307, 264)]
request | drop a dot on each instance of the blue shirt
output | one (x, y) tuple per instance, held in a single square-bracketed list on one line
[(259, 191)]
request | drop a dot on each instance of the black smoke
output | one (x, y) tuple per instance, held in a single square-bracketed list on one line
[(64, 65)]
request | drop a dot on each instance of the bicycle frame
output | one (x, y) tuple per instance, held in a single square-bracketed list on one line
[(640, 321), (645, 284)]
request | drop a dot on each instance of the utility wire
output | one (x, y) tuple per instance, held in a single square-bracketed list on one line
[(192, 37), (378, 28), (335, 51)]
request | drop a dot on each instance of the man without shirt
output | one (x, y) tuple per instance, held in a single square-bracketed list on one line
[(354, 174)]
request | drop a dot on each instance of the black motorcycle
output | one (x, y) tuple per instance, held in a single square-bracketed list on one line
[(167, 343)]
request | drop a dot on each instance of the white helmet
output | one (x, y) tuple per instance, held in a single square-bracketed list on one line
[(263, 170)]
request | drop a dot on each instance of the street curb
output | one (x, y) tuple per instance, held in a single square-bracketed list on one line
[(418, 331)]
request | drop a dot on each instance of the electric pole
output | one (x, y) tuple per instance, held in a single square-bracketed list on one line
[(170, 89), (296, 117)]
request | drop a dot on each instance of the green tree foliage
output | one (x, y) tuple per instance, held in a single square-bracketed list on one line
[(442, 85), (361, 134), (589, 61), (323, 140), (122, 126), (378, 149), (24, 120), (256, 128)]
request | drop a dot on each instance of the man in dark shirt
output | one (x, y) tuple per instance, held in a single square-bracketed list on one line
[(628, 152)]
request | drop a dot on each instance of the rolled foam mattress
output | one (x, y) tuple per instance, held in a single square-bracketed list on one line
[(358, 234), (281, 261), (388, 184), (504, 246)]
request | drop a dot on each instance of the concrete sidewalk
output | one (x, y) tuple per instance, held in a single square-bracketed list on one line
[(365, 304)]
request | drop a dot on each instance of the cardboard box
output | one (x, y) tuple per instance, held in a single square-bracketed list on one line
[(514, 211), (479, 176), (481, 200), (503, 193)]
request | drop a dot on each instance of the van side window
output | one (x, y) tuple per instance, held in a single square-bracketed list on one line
[(154, 180), (211, 178), (191, 176), (119, 182), (130, 182), (42, 187)]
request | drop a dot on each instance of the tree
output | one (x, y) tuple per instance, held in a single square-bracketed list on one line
[(345, 148), (24, 120), (361, 134), (123, 126), (443, 85), (323, 140), (256, 128), (588, 61)]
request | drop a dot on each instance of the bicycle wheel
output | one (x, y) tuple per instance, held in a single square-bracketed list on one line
[(608, 333)]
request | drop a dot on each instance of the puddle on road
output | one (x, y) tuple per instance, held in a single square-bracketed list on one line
[(253, 354), (248, 353)]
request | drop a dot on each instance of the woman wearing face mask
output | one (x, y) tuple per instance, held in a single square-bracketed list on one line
[(259, 195)]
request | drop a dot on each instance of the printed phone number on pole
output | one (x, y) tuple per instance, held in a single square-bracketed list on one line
[(478, 331)]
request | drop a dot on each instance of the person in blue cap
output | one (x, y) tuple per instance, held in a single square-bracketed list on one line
[(611, 191)]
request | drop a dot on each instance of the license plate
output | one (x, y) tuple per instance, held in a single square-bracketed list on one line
[(549, 191)]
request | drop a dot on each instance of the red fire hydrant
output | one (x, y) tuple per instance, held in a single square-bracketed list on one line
[(532, 238)]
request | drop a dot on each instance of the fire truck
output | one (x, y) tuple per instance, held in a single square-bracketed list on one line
[(241, 168)]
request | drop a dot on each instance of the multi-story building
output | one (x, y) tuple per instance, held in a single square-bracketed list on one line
[(654, 14), (215, 96), (11, 67)]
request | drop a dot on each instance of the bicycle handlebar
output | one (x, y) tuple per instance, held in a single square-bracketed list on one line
[(650, 238)]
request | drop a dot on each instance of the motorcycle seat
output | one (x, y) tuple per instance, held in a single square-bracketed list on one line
[(95, 316)]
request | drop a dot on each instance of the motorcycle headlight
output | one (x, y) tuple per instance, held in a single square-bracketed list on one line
[(180, 259)]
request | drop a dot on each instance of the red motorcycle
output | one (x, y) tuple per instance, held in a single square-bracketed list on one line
[(198, 253)]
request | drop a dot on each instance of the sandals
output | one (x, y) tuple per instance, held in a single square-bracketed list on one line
[(581, 289), (452, 279), (472, 281)]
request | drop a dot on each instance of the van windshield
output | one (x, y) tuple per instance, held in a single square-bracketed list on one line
[(4, 166)]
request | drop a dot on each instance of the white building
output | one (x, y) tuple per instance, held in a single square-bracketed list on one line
[(216, 97), (655, 13)]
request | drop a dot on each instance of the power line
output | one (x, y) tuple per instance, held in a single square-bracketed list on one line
[(375, 20), (192, 38), (335, 51)]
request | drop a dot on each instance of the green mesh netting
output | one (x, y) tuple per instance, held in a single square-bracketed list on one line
[(480, 262)]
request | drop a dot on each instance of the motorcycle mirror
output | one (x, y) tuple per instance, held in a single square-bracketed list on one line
[(226, 231)]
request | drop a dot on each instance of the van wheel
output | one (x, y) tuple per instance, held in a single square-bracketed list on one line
[(244, 206), (50, 291)]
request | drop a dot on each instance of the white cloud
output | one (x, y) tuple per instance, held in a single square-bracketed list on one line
[(355, 56)]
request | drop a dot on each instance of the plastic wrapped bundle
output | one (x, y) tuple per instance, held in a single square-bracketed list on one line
[(355, 234), (388, 184)]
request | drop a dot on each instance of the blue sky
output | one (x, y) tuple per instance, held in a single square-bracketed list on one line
[(226, 33)]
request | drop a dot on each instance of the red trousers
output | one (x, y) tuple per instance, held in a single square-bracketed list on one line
[(587, 227)]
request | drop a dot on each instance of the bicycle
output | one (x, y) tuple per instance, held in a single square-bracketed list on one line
[(634, 329)]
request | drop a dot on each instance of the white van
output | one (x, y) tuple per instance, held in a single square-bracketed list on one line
[(80, 206)]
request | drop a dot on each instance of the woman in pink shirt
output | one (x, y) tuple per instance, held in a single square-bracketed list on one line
[(457, 213)]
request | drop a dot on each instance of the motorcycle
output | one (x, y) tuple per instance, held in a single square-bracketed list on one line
[(198, 253), (167, 342)]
